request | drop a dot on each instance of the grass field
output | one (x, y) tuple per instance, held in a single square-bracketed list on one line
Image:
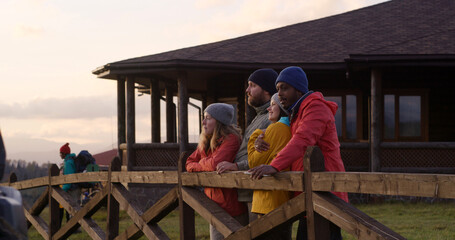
[(415, 221)]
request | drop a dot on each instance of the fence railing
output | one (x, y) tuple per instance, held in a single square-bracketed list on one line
[(319, 206)]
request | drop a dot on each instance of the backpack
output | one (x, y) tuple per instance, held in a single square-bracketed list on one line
[(82, 160)]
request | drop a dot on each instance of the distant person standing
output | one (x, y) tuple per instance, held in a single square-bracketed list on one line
[(69, 168)]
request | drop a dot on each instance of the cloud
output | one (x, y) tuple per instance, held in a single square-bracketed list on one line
[(61, 108), (203, 4), (260, 15), (27, 31)]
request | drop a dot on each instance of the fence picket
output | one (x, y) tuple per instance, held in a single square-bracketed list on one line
[(112, 226)]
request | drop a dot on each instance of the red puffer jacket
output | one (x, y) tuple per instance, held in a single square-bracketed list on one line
[(199, 161), (313, 125)]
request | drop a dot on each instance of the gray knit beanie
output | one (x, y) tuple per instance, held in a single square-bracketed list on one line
[(277, 101), (222, 112)]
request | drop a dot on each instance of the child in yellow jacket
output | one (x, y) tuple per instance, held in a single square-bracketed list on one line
[(277, 135)]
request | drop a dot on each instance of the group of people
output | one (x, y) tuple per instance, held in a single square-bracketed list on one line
[(289, 118)]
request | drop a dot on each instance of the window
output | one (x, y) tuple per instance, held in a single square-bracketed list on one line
[(404, 116), (348, 119), (338, 117)]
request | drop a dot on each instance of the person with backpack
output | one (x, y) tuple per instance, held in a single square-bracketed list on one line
[(69, 168)]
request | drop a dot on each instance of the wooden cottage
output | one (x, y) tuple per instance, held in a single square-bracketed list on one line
[(390, 67)]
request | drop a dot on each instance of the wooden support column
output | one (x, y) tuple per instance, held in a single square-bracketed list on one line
[(376, 120), (203, 107), (204, 104), (54, 209), (156, 110), (241, 99), (187, 230), (130, 121), (121, 117), (170, 114), (317, 226), (112, 225), (186, 213), (183, 110)]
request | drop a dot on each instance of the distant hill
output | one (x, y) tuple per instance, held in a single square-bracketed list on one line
[(43, 151)]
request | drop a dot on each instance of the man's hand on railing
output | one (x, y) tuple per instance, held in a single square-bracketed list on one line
[(226, 166), (262, 170)]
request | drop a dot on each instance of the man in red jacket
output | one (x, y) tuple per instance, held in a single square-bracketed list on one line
[(312, 124)]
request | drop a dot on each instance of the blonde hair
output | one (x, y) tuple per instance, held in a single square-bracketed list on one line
[(211, 141)]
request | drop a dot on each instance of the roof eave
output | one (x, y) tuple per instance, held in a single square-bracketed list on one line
[(110, 71), (382, 60)]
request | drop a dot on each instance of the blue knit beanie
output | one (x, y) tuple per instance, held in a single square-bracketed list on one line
[(265, 78), (295, 77), (222, 112)]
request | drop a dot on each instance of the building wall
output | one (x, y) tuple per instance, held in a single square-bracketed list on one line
[(439, 83)]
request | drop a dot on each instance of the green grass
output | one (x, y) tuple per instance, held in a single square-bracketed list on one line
[(414, 221), (169, 224)]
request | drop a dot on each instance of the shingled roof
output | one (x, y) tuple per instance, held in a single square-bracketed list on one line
[(399, 27)]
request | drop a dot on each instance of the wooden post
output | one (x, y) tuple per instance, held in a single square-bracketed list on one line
[(130, 121), (54, 209), (12, 178), (112, 227), (156, 110), (170, 114), (204, 103), (376, 120), (317, 226), (186, 213), (121, 116), (183, 111), (241, 107)]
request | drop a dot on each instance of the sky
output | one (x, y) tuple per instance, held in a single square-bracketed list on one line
[(48, 95)]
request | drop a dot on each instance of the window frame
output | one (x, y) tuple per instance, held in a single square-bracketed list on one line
[(423, 93), (359, 114)]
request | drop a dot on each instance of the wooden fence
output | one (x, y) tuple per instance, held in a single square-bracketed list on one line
[(320, 206)]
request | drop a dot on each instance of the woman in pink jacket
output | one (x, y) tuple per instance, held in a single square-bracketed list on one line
[(219, 141)]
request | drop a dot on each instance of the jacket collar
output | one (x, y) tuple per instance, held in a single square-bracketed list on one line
[(70, 156), (262, 109), (294, 108)]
